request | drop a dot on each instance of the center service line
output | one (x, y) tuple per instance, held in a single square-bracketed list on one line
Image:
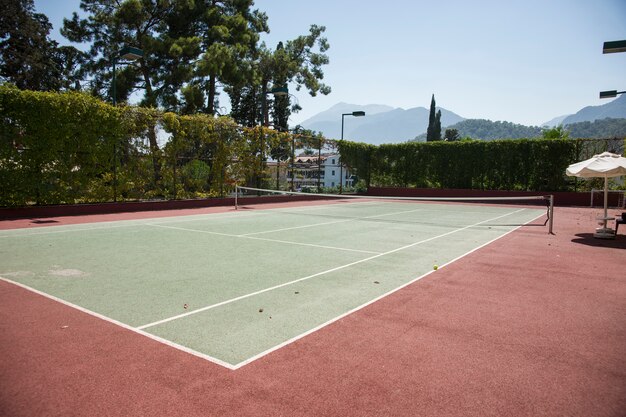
[(242, 297)]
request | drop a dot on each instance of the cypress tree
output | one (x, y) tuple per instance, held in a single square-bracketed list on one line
[(437, 129), (432, 121)]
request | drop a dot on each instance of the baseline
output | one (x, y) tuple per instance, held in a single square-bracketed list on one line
[(122, 324)]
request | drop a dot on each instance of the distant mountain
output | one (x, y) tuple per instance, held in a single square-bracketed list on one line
[(488, 130), (381, 124), (335, 112), (615, 109), (556, 121), (385, 124)]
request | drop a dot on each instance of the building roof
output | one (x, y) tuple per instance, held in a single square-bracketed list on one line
[(312, 159)]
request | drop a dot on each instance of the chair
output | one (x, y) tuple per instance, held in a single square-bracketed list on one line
[(620, 220)]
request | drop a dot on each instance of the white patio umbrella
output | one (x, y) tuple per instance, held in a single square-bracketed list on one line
[(605, 165)]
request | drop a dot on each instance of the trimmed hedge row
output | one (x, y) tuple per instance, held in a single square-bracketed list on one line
[(523, 164), (72, 148)]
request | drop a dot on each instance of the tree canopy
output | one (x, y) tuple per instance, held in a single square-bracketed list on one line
[(28, 57), (193, 49)]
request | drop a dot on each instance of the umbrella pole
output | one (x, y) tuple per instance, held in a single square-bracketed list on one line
[(606, 198)]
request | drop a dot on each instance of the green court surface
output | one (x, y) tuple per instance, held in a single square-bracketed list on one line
[(234, 286)]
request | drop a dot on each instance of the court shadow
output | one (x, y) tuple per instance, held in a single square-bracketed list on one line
[(587, 239), (37, 221)]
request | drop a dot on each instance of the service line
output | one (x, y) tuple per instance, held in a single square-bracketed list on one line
[(242, 297)]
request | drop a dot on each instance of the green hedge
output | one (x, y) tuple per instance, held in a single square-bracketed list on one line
[(73, 148), (66, 148), (52, 145), (523, 164)]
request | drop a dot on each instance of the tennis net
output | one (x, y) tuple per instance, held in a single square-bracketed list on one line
[(372, 208)]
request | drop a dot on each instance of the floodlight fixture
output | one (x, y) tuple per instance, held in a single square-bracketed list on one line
[(130, 53), (613, 47), (610, 93), (280, 91)]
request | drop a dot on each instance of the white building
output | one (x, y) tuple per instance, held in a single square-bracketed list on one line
[(308, 172), (333, 171)]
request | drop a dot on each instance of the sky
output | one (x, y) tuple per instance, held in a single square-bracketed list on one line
[(524, 62)]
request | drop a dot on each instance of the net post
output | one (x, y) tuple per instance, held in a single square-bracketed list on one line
[(236, 194), (551, 211)]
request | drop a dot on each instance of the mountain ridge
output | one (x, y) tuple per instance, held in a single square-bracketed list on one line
[(387, 124), (614, 109), (382, 124)]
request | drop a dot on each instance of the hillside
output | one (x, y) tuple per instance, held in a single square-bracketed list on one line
[(605, 128), (488, 130), (615, 109)]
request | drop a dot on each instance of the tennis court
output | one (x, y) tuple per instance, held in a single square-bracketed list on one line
[(235, 286)]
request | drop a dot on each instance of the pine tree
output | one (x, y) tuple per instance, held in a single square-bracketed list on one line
[(28, 58), (298, 61)]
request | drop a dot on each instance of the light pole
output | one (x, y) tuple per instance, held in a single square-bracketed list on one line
[(277, 92), (355, 114), (319, 163), (129, 54), (296, 132)]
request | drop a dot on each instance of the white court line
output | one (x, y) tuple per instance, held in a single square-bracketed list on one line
[(208, 232), (50, 232), (124, 325), (362, 306), (69, 228), (242, 297), (170, 219), (353, 219), (265, 211), (260, 355), (297, 227), (309, 244)]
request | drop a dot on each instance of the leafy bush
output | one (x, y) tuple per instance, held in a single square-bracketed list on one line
[(65, 148)]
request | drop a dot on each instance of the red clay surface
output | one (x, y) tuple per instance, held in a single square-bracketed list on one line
[(531, 325)]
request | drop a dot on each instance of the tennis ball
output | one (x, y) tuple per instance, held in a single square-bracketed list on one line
[(435, 267)]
